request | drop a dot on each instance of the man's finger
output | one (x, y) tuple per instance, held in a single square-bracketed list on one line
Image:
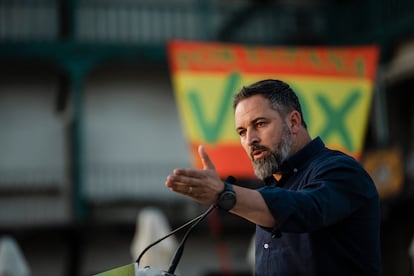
[(205, 159)]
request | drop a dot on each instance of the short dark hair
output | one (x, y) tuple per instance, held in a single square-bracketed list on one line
[(281, 96)]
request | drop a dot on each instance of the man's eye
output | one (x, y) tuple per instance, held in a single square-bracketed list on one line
[(242, 132), (260, 124)]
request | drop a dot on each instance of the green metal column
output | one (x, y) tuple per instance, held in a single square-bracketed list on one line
[(204, 8), (77, 70), (77, 66), (77, 73)]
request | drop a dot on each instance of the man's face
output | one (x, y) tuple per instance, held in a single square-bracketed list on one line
[(264, 135)]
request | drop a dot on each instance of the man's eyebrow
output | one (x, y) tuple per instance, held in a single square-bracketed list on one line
[(258, 119), (239, 128), (253, 122)]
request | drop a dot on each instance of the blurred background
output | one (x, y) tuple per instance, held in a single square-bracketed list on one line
[(89, 126)]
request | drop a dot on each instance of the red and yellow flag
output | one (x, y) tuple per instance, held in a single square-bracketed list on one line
[(334, 85)]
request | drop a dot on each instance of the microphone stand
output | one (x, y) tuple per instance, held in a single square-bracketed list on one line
[(180, 249)]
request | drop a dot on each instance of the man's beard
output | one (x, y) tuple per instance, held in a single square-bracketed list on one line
[(271, 162)]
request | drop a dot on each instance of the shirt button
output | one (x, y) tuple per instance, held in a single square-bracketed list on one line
[(266, 245), (295, 170)]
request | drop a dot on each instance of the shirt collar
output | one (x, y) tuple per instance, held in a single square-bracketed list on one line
[(297, 161)]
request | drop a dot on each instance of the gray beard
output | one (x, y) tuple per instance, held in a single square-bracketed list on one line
[(270, 164)]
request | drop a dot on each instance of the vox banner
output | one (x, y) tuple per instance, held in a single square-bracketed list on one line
[(334, 85)]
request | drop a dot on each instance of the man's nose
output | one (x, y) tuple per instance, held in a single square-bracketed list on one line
[(252, 137)]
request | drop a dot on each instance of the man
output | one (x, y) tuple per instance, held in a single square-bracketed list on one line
[(318, 213)]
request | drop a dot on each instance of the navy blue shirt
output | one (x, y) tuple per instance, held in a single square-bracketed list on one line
[(328, 217)]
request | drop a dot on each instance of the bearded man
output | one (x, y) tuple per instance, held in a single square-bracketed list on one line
[(318, 212)]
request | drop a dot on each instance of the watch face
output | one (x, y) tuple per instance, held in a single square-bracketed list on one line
[(227, 200), (228, 196)]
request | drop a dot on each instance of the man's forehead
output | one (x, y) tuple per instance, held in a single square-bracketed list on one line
[(252, 108), (255, 104)]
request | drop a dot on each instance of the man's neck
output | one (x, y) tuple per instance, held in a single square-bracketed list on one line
[(302, 139)]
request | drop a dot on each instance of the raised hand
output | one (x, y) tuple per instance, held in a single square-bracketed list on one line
[(203, 185)]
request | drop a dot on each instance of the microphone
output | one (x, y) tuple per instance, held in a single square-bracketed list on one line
[(231, 179), (177, 256), (180, 249), (148, 271)]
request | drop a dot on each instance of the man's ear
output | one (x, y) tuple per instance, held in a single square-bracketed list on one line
[(294, 121)]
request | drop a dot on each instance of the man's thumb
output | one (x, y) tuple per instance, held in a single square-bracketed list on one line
[(205, 159)]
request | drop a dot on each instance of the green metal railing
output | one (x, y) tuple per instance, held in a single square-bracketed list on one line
[(70, 26)]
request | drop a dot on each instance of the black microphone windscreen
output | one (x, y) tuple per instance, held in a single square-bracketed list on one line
[(231, 179)]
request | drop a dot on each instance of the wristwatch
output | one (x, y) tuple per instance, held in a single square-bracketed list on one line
[(227, 198)]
